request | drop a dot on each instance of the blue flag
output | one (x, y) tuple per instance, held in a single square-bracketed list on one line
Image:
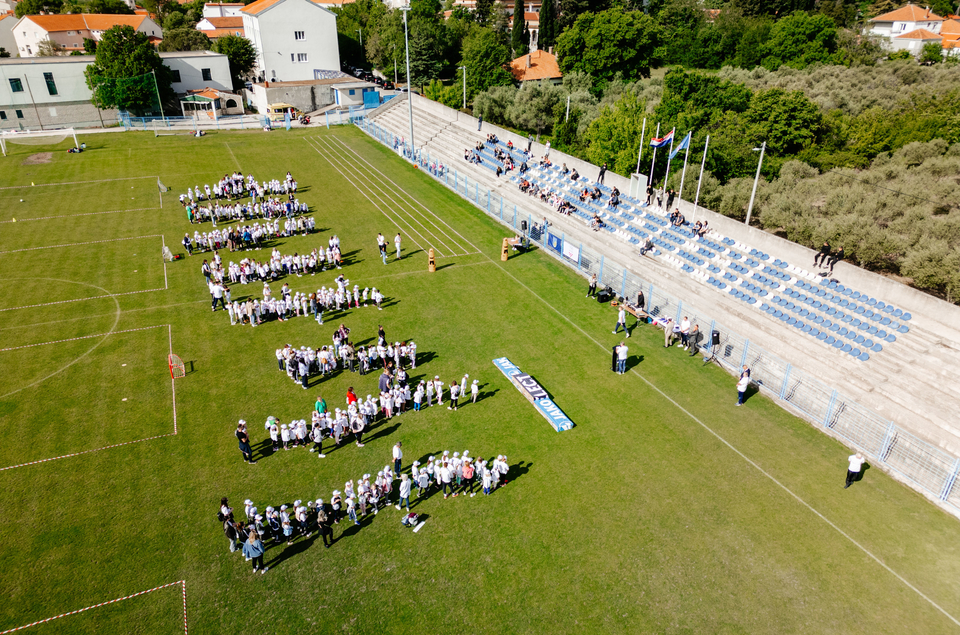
[(286, 119), (683, 145)]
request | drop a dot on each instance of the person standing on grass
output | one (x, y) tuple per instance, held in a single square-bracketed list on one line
[(404, 492), (742, 387), (592, 289), (684, 332), (693, 339), (253, 550), (397, 457), (668, 333), (382, 246), (622, 358), (396, 241), (475, 390), (853, 470), (323, 524), (454, 395), (621, 321), (356, 426), (244, 440), (230, 531)]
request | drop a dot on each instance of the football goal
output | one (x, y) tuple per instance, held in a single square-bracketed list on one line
[(177, 369), (37, 138)]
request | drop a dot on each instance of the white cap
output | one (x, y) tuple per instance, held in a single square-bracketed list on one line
[(283, 507), (456, 454), (248, 502), (336, 492), (269, 509), (475, 381), (319, 502), (297, 502), (242, 422)]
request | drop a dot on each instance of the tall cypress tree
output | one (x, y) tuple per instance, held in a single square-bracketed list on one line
[(548, 25), (517, 41)]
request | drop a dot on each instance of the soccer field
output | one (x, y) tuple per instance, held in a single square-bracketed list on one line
[(665, 510)]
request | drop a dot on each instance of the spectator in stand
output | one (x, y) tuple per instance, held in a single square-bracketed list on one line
[(822, 256), (836, 257)]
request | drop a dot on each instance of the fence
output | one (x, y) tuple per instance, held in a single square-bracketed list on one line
[(923, 466)]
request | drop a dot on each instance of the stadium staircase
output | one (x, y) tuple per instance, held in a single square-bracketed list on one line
[(865, 346)]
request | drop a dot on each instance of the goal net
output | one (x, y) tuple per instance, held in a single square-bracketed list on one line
[(177, 369), (37, 137)]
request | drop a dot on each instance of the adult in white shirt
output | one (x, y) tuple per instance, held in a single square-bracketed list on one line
[(621, 321), (684, 331), (396, 241), (742, 387), (397, 457), (622, 358), (853, 470)]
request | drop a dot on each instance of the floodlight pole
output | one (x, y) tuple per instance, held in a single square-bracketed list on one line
[(360, 31), (406, 39), (464, 69), (567, 117), (159, 102), (756, 180)]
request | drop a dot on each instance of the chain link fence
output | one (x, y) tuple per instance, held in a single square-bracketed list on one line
[(926, 468)]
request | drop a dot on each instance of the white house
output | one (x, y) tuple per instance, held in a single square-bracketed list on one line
[(905, 20), (222, 9), (218, 27), (70, 30), (52, 92), (293, 38)]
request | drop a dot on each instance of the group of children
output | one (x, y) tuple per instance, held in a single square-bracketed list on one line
[(247, 236), (300, 365), (234, 187)]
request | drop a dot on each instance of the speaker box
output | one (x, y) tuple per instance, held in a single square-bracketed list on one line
[(715, 339), (523, 226)]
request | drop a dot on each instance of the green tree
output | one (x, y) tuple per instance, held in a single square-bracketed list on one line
[(118, 7), (352, 18), (49, 48), (570, 10), (89, 46), (800, 40), (680, 21), (120, 77), (519, 42), (385, 46), (241, 55), (788, 121), (3, 52), (610, 43), (33, 7), (161, 8), (548, 25), (175, 20), (184, 39), (614, 137), (484, 55), (483, 12), (534, 104), (932, 53), (494, 104)]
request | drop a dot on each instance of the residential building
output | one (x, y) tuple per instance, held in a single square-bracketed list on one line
[(536, 66), (70, 30), (214, 28), (210, 104), (307, 95), (7, 5), (52, 92), (7, 41), (222, 9), (293, 38)]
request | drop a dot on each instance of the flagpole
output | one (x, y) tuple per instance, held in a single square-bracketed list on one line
[(683, 174), (643, 135), (654, 160), (696, 201), (669, 158)]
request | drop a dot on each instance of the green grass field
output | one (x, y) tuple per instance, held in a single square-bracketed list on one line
[(665, 510)]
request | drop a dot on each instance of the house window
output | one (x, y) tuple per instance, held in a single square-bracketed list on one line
[(301, 57), (51, 85), (53, 112), (19, 114), (298, 35), (3, 116), (206, 74), (16, 85), (176, 75), (352, 92)]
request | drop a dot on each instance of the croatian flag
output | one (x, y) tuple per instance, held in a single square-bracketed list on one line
[(665, 140)]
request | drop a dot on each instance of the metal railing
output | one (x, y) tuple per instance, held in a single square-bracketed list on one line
[(925, 467)]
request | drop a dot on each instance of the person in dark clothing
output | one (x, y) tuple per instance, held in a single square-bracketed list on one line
[(244, 443), (641, 301), (822, 256), (670, 196), (603, 171), (649, 194), (693, 339), (323, 523), (836, 257)]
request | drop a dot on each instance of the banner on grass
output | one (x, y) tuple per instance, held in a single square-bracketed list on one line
[(535, 393)]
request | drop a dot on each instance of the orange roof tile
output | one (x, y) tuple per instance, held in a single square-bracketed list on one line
[(258, 7), (908, 13), (531, 17), (950, 29), (543, 65), (234, 22), (215, 33), (84, 22), (919, 34)]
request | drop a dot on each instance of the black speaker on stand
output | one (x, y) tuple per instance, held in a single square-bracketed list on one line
[(523, 226), (715, 338)]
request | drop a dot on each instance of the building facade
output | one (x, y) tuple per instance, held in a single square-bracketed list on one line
[(293, 39), (70, 30)]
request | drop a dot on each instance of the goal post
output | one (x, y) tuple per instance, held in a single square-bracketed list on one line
[(177, 369), (37, 137)]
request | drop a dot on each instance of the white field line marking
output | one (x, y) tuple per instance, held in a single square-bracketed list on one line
[(173, 387), (735, 450), (233, 156), (127, 178), (413, 198), (96, 297), (182, 583), (82, 337), (369, 181), (92, 242), (116, 320), (365, 195), (116, 211), (173, 390), (741, 455), (412, 201), (163, 242)]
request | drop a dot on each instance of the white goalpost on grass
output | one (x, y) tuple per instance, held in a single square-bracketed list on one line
[(37, 137)]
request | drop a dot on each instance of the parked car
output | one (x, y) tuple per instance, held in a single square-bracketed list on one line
[(388, 85)]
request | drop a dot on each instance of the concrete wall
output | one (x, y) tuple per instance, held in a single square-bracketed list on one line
[(272, 34), (306, 98), (191, 64)]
